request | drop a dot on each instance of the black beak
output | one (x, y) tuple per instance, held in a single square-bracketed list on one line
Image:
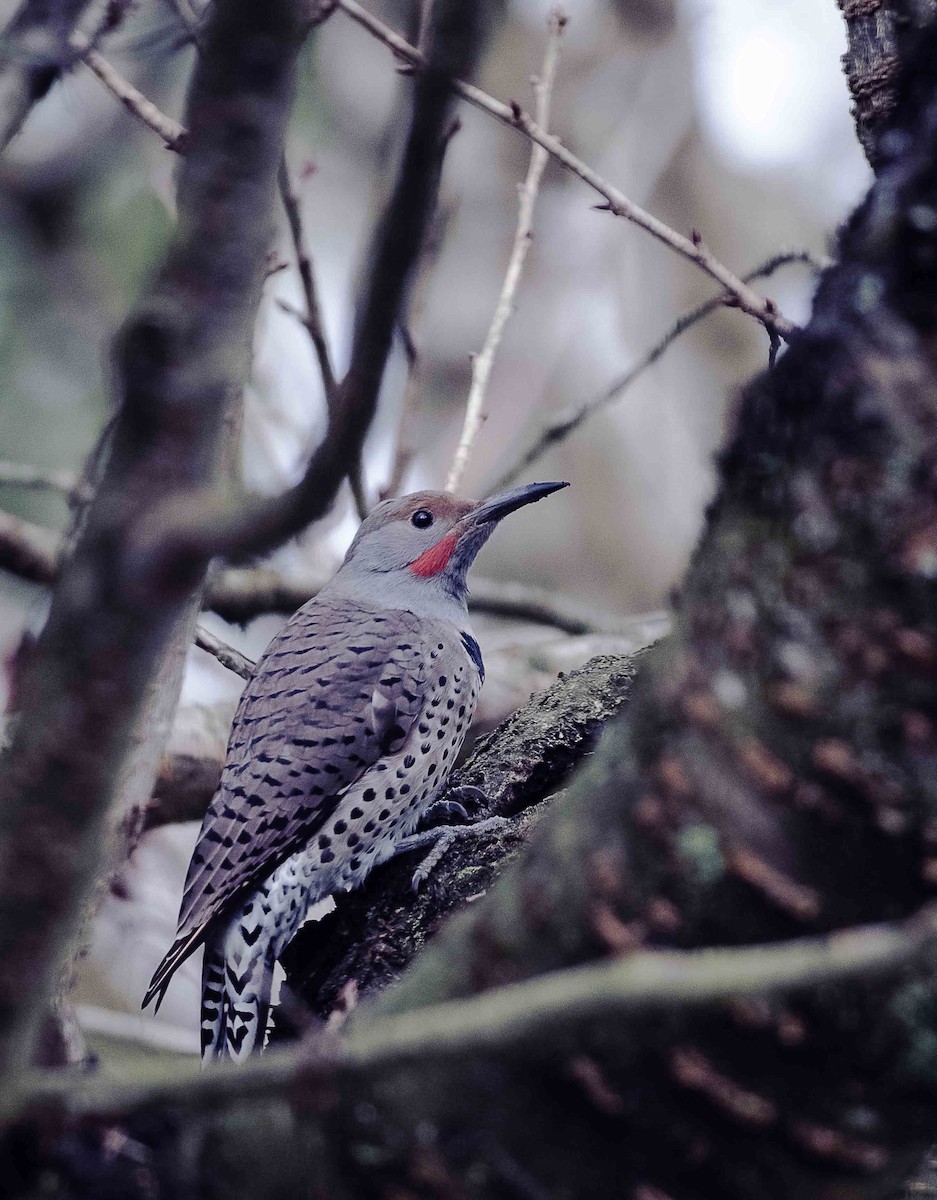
[(498, 506)]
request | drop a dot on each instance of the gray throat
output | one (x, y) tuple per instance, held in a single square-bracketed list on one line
[(428, 598)]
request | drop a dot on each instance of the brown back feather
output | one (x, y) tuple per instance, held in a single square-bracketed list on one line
[(304, 731)]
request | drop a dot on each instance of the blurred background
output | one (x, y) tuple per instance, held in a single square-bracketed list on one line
[(728, 116)]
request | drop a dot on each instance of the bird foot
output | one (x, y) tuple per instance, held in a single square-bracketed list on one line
[(456, 804), (440, 839)]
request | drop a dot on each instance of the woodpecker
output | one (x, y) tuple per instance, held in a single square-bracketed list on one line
[(343, 738)]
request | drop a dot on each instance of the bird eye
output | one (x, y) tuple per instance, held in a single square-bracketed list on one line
[(422, 518)]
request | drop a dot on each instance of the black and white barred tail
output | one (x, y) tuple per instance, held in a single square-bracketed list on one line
[(240, 960), (236, 993)]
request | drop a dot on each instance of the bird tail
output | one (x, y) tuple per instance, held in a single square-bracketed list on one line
[(212, 1018), (180, 950), (237, 980)]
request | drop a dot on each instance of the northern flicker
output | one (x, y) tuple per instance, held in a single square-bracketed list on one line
[(343, 738)]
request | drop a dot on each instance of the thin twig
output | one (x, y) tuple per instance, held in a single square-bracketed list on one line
[(426, 16), (145, 110), (27, 550), (233, 659), (508, 1017), (566, 422), (691, 248), (312, 318), (406, 447), (544, 606), (23, 475), (484, 361), (88, 480), (34, 51), (408, 423)]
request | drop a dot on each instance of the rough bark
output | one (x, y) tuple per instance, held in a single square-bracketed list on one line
[(880, 35), (376, 932)]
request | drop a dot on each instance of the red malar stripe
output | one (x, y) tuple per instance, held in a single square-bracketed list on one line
[(434, 560)]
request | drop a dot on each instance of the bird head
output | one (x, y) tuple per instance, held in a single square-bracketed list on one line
[(428, 540)]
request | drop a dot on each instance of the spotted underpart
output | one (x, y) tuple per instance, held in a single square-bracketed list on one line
[(339, 745), (362, 830), (345, 734)]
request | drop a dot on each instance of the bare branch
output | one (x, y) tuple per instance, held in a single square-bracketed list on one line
[(568, 421), (23, 475), (133, 100), (34, 51), (408, 423), (312, 318), (879, 34), (406, 445), (233, 659), (187, 15), (184, 787), (28, 550), (426, 16), (691, 248), (484, 361), (239, 594), (506, 1018)]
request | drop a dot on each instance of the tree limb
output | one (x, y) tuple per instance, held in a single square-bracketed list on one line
[(227, 655), (570, 419), (376, 931), (188, 530), (171, 132), (691, 248), (28, 550), (508, 1018), (880, 35), (182, 360), (23, 475)]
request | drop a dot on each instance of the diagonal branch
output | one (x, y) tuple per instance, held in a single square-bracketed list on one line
[(509, 1018), (484, 361), (34, 49), (312, 317), (28, 550), (227, 655), (24, 475), (568, 421), (692, 248), (239, 594), (130, 97)]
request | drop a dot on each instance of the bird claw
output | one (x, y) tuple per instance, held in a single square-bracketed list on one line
[(440, 839), (454, 803)]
